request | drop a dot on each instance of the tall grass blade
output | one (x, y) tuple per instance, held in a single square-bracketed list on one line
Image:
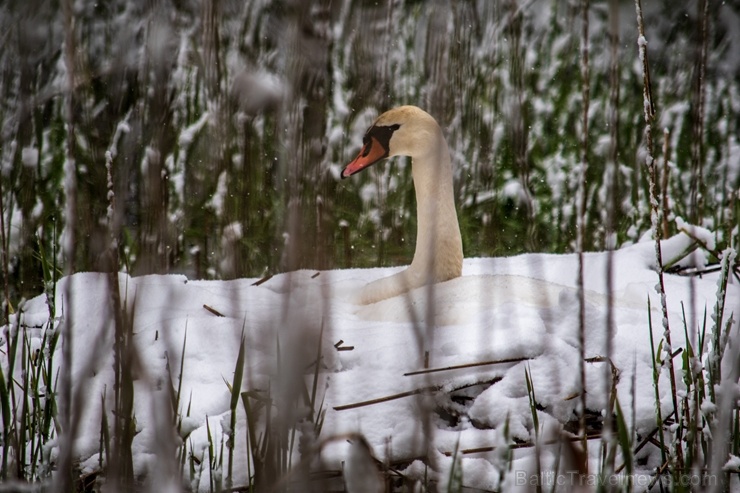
[(178, 392), (715, 353), (104, 449), (7, 424), (455, 481), (625, 444), (316, 374), (235, 393), (657, 365), (535, 424)]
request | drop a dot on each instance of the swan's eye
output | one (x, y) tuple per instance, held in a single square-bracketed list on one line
[(382, 134)]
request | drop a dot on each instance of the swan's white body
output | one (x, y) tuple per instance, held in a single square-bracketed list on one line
[(410, 131)]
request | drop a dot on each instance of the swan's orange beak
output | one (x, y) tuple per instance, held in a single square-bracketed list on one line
[(371, 153)]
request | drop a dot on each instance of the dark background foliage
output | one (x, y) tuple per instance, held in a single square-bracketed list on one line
[(208, 136)]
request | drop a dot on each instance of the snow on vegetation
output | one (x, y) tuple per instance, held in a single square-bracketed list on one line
[(387, 379)]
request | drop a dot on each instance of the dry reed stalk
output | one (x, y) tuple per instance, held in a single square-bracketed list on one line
[(581, 223), (698, 104), (68, 422), (5, 263), (664, 182), (385, 399), (263, 280), (213, 310), (211, 62), (338, 346), (655, 211), (515, 446), (466, 365), (647, 439)]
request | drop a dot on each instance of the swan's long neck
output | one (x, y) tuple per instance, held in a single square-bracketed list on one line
[(438, 255)]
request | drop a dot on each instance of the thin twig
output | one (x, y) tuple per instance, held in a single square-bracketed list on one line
[(648, 439), (263, 280), (466, 365), (213, 310), (658, 475), (385, 399), (479, 450)]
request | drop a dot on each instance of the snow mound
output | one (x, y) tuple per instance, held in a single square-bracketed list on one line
[(421, 375)]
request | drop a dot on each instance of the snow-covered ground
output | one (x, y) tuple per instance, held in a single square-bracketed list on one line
[(524, 307)]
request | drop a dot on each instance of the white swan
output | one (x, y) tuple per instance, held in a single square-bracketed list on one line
[(410, 131)]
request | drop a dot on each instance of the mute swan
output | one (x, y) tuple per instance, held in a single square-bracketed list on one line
[(410, 131)]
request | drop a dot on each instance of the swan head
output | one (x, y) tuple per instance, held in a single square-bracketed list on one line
[(402, 131)]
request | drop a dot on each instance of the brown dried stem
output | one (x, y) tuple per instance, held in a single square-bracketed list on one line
[(581, 198), (655, 210)]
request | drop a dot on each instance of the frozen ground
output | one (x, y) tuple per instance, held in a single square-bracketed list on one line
[(523, 307)]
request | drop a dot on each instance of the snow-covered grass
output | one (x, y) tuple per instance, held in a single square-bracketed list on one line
[(189, 168), (472, 384)]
